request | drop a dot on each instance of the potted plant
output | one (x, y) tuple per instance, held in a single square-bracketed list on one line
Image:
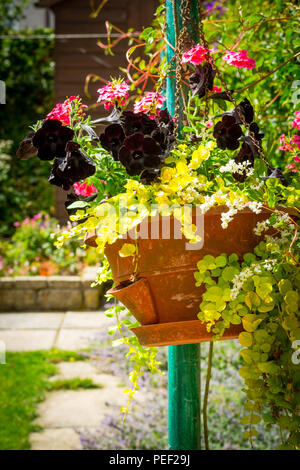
[(242, 277)]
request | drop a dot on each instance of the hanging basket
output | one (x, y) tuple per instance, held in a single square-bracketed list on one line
[(158, 285)]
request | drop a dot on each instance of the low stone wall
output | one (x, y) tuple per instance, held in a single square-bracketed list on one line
[(53, 293)]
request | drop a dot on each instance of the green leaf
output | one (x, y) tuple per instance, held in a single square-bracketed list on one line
[(128, 249), (229, 272), (284, 286), (251, 322), (268, 367), (252, 300), (78, 205), (221, 261), (245, 339)]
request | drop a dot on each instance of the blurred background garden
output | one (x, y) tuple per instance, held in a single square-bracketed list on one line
[(60, 359)]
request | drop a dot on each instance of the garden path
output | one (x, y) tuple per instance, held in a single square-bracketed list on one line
[(65, 411)]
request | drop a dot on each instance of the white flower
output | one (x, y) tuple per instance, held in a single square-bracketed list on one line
[(256, 207), (261, 227), (240, 168)]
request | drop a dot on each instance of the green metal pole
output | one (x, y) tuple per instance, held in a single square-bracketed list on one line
[(184, 360)]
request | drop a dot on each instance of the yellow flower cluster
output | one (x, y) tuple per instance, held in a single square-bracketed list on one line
[(179, 185)]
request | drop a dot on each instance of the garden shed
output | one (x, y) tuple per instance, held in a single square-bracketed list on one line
[(76, 51), (77, 54)]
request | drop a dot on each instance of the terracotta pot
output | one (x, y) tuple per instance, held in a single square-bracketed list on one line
[(158, 286)]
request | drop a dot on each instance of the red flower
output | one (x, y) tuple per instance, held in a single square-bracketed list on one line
[(195, 56), (151, 102), (114, 93), (239, 59), (84, 189), (61, 112)]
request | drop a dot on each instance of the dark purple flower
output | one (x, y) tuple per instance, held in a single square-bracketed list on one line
[(245, 154), (250, 149), (246, 110), (140, 143), (202, 80), (243, 110), (51, 139), (26, 148), (139, 153), (112, 138), (137, 122), (227, 132), (75, 166)]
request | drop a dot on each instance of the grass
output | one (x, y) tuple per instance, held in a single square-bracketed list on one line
[(24, 380), (73, 384)]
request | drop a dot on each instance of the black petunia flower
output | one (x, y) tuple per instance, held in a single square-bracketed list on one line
[(140, 143), (244, 109), (245, 154), (26, 149), (202, 80), (137, 122), (253, 140), (227, 132), (249, 150), (51, 139), (75, 166), (164, 131), (139, 153), (112, 139)]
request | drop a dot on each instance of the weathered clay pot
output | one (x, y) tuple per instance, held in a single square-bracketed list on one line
[(158, 285)]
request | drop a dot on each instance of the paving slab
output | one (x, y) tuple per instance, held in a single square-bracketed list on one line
[(75, 339), (78, 408), (84, 369), (84, 320), (55, 439), (20, 321), (27, 340)]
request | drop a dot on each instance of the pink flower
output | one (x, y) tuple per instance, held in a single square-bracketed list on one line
[(239, 59), (209, 123), (217, 89), (62, 110), (296, 140), (151, 102), (16, 224), (292, 167), (297, 159), (115, 92), (84, 189), (296, 121), (287, 146), (37, 216), (196, 55)]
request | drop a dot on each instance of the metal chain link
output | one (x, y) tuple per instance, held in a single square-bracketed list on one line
[(256, 142), (184, 41)]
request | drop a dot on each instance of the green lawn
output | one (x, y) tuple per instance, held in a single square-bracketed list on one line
[(24, 379)]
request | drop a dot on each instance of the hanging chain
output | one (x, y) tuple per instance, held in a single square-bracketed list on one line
[(183, 41), (181, 38), (255, 141)]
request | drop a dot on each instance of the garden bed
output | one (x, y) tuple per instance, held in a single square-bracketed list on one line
[(52, 293)]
